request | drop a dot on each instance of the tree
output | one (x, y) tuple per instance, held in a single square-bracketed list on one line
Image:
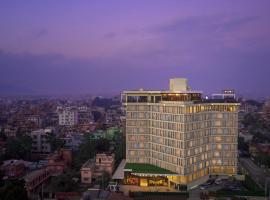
[(120, 147), (263, 159), (55, 142), (104, 180), (2, 135), (19, 148), (63, 183), (14, 190), (242, 145), (103, 145), (86, 151)]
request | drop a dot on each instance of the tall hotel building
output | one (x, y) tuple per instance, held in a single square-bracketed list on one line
[(178, 139)]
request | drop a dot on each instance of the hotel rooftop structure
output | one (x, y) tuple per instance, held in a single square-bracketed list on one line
[(176, 138)]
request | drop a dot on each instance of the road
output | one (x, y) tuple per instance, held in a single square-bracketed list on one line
[(257, 173), (194, 194)]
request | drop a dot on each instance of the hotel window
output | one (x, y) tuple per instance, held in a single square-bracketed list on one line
[(225, 131), (217, 154), (218, 139)]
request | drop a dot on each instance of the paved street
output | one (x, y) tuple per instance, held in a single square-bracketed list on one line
[(257, 173), (195, 193)]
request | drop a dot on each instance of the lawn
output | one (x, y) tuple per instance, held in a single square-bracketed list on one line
[(147, 168)]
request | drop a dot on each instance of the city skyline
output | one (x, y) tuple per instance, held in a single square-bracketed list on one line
[(95, 47)]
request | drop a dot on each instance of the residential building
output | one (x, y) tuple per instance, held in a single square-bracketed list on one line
[(84, 115), (58, 162), (73, 140), (68, 116), (246, 136), (95, 167), (14, 169), (247, 107), (266, 111), (104, 162), (40, 142), (259, 148), (87, 171), (225, 94), (178, 139)]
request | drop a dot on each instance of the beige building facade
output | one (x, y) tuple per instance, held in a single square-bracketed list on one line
[(180, 131)]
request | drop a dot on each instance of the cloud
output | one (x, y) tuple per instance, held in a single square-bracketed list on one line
[(214, 52), (204, 23)]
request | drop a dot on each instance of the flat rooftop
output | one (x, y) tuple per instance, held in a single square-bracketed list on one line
[(159, 92)]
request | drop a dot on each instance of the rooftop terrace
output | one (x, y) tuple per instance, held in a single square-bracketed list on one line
[(144, 168)]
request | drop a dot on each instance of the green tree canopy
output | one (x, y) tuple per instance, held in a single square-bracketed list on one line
[(19, 148), (13, 190), (63, 183)]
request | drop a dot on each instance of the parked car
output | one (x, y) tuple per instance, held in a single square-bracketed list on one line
[(234, 188), (203, 187), (210, 181), (218, 181)]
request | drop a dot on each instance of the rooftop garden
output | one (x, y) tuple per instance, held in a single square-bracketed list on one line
[(146, 168)]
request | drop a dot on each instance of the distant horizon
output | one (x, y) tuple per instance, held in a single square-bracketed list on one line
[(114, 94)]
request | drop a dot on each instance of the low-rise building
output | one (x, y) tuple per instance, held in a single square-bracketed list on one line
[(59, 161), (104, 162), (87, 172), (95, 167), (259, 148), (246, 136), (13, 169), (35, 179)]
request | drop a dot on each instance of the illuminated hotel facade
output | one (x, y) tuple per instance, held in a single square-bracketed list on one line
[(179, 131)]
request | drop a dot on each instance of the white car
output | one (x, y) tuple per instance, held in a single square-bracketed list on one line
[(218, 181)]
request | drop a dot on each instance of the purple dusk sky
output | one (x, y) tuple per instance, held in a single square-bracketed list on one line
[(72, 47)]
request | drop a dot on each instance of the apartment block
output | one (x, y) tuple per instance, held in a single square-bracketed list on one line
[(176, 138), (40, 142), (68, 116)]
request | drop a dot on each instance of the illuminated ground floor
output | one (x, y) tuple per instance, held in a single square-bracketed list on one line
[(149, 180), (147, 175)]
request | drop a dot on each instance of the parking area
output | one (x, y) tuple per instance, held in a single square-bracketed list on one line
[(211, 185), (227, 187)]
